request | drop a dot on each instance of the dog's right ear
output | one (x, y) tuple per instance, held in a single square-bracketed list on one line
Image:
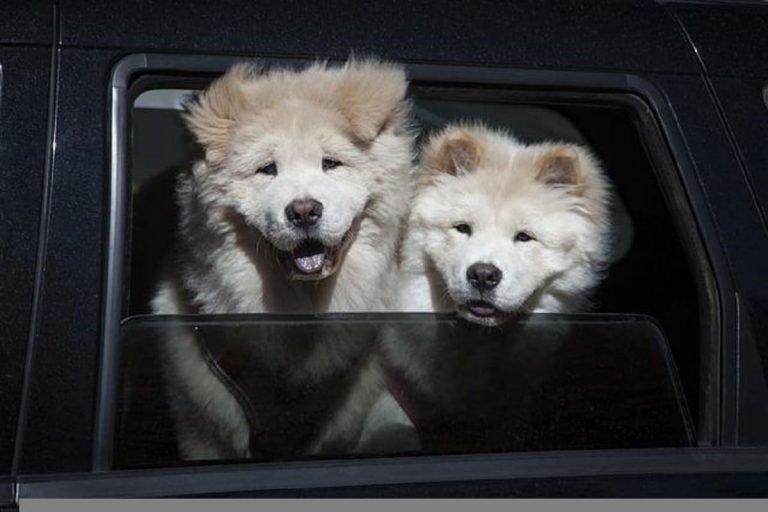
[(455, 151), (211, 115)]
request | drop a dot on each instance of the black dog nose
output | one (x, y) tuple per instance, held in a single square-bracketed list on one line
[(304, 212), (483, 276)]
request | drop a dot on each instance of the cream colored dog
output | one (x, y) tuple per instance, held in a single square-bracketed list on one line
[(296, 207), (497, 229)]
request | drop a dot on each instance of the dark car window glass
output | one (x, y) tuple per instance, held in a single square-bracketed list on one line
[(533, 385)]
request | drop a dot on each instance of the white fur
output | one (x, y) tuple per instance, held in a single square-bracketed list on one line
[(233, 223), (499, 198), (500, 187)]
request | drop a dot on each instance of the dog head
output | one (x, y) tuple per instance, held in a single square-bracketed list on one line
[(510, 228), (302, 156)]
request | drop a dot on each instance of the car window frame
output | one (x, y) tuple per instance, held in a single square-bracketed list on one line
[(665, 147)]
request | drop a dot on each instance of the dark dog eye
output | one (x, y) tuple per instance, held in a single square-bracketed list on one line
[(522, 236), (329, 163), (463, 228), (270, 169)]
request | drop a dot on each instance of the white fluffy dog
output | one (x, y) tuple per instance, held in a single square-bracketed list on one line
[(297, 206), (497, 229)]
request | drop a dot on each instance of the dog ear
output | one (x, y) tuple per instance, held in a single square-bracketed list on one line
[(559, 166), (211, 114), (371, 96), (454, 152)]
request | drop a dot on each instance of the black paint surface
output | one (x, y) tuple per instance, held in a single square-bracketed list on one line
[(564, 34), (23, 121), (26, 22), (732, 40)]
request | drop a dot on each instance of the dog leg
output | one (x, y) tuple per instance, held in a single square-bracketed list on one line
[(388, 429), (342, 433), (209, 422)]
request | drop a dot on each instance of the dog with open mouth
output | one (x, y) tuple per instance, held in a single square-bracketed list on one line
[(296, 207)]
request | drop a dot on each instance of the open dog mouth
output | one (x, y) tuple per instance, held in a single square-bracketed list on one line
[(312, 259)]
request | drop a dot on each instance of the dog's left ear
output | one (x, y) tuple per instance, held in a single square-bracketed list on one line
[(560, 167), (371, 96)]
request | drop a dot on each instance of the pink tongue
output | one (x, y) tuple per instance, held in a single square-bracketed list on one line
[(309, 264)]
